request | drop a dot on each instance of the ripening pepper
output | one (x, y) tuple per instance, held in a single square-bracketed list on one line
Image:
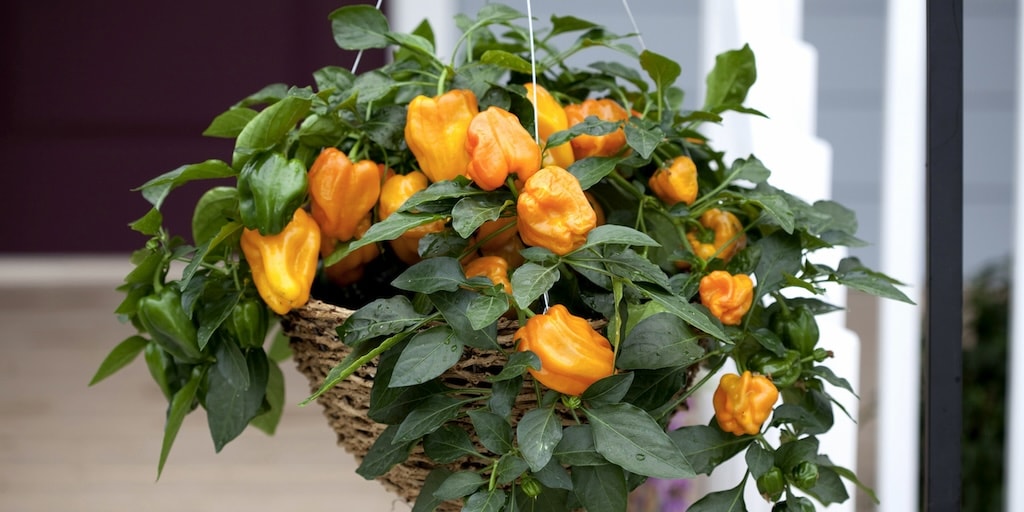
[(743, 402), (509, 250), (771, 483), (248, 322), (598, 211), (498, 145), (727, 296), (804, 475), (351, 268), (169, 326), (342, 192), (554, 212), (794, 504), (572, 354), (494, 268), (393, 194), (284, 265), (797, 328), (551, 118), (493, 234), (270, 188), (784, 371), (436, 130), (605, 109), (729, 237), (676, 183)]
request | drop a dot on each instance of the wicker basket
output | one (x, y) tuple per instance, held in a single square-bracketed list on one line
[(316, 350)]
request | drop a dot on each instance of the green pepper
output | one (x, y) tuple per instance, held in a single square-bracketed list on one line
[(771, 484), (161, 367), (794, 504), (531, 487), (797, 328), (784, 371), (804, 475), (248, 322), (169, 325), (270, 188)]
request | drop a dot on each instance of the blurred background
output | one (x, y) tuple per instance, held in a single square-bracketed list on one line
[(98, 97)]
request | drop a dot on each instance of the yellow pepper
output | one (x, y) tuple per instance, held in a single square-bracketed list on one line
[(551, 118), (605, 109), (676, 183), (436, 131), (554, 212), (350, 268), (395, 191), (284, 265), (743, 402), (494, 268), (728, 232), (727, 296), (498, 145), (572, 354), (342, 192)]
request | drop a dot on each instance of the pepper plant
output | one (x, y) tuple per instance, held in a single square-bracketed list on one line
[(443, 198)]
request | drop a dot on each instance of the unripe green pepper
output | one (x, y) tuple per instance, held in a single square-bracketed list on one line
[(531, 487), (794, 504), (784, 371), (797, 328), (270, 188), (160, 367), (771, 484), (804, 475), (248, 322), (169, 326)]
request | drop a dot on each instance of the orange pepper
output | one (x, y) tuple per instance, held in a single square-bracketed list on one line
[(551, 118), (727, 296), (676, 183), (436, 130), (605, 109), (350, 268), (498, 145), (743, 402), (729, 236), (494, 268), (572, 354), (342, 192), (395, 191), (284, 265), (554, 212)]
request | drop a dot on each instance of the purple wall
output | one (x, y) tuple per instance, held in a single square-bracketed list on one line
[(98, 97)]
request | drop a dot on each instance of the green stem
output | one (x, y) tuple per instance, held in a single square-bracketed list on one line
[(615, 326)]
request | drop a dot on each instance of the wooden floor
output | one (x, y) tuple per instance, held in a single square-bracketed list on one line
[(67, 447)]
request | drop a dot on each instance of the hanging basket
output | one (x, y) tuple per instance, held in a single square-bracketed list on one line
[(316, 349)]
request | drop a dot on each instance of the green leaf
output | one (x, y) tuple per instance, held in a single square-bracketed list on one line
[(518, 363), (610, 234), (554, 476), (427, 501), (600, 488), (414, 43), (538, 432), (359, 27), (653, 390), (123, 354), (530, 281), (811, 415), (722, 501), (507, 61), (769, 340), (635, 268), (227, 232), (390, 405), (789, 455), (431, 275), (493, 431), (268, 421), (230, 124), (471, 212), (454, 306), (381, 317), (495, 13), (750, 169), (509, 468), (781, 254), (759, 460), (179, 407), (232, 366), (216, 207), (849, 475), (428, 417), (428, 354), (577, 447), (503, 395), (150, 223), (372, 86), (643, 136), (268, 128), (271, 187), (662, 70), (609, 390), (388, 229), (485, 501), (695, 315), (448, 444), (384, 454), (229, 408), (333, 78), (592, 169), (826, 374), (564, 24), (626, 435), (829, 488), (851, 272), (484, 310), (707, 446), (775, 208), (157, 189), (213, 315), (459, 484), (661, 340), (443, 194), (727, 84)]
